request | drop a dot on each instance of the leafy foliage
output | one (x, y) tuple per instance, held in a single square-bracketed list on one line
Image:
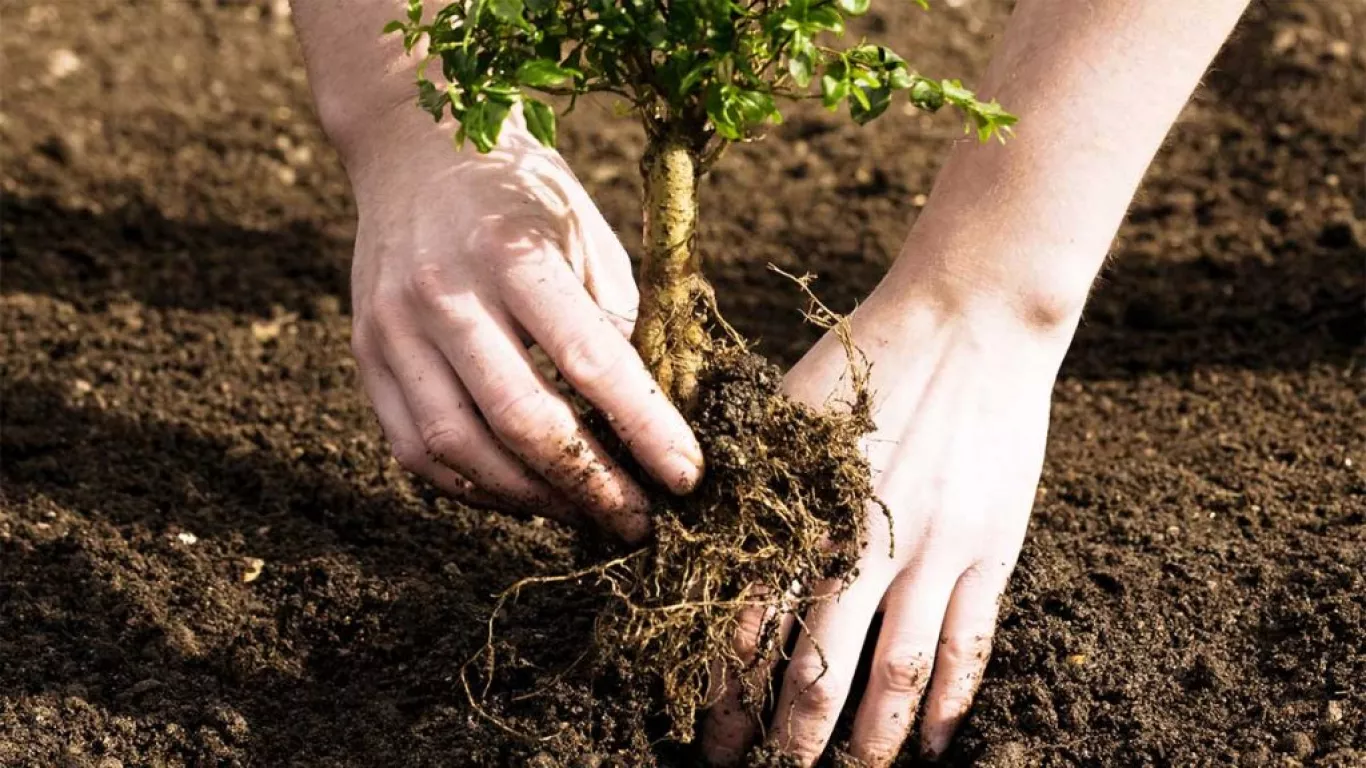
[(712, 69)]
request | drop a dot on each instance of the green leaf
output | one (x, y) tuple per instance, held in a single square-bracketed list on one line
[(693, 77), (500, 93), (825, 18), (871, 106), (992, 120), (543, 73), (955, 93), (720, 103), (833, 91), (855, 7), (900, 78), (431, 99), (927, 95), (483, 122), (754, 107), (860, 97), (507, 11), (799, 66), (540, 120), (393, 26), (415, 11)]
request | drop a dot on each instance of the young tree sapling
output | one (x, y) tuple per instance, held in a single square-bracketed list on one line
[(787, 490), (699, 74)]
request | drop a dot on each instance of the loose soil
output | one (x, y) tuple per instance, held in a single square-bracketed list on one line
[(207, 558)]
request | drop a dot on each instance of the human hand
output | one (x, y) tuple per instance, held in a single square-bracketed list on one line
[(961, 403), (462, 261)]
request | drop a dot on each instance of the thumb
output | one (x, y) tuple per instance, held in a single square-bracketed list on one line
[(605, 267)]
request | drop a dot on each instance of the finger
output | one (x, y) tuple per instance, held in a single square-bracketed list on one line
[(901, 664), (453, 434), (964, 650), (529, 417), (387, 400), (600, 262), (732, 721), (551, 304), (822, 668)]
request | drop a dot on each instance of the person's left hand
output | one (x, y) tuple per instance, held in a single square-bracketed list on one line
[(961, 400)]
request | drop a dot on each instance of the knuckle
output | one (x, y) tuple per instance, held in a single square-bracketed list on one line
[(525, 419), (959, 650), (815, 687), (386, 303), (882, 747), (905, 671), (749, 631), (361, 342), (444, 439), (389, 327), (428, 285), (510, 234), (590, 362)]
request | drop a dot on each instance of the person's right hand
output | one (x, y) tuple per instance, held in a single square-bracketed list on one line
[(462, 262)]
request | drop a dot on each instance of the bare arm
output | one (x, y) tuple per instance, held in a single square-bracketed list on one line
[(1097, 84), (361, 81), (965, 334), (461, 261)]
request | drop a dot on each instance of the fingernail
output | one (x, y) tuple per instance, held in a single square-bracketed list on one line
[(684, 468), (931, 750)]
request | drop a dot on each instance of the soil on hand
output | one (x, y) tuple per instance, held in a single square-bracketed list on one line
[(207, 557)]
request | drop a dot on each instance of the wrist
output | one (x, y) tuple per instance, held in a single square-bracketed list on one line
[(362, 80), (1010, 289), (387, 134)]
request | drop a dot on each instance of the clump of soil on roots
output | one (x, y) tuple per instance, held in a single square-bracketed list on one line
[(781, 509)]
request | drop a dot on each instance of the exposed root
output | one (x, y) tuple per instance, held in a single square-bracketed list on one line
[(781, 510)]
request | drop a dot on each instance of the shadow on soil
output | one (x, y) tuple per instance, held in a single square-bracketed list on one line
[(1149, 314), (88, 259), (385, 595)]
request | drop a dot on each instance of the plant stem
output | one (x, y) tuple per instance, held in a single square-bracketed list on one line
[(670, 332)]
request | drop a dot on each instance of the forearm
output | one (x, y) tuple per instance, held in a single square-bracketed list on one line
[(1096, 85), (362, 80)]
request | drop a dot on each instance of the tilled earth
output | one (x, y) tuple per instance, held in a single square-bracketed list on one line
[(207, 557)]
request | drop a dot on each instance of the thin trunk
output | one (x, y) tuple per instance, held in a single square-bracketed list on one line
[(670, 332)]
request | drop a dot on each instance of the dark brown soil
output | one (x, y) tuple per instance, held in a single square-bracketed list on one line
[(179, 411)]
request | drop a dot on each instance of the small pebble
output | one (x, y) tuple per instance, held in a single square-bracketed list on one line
[(62, 63), (252, 567), (1007, 755), (325, 306), (1284, 40), (1297, 744), (185, 537), (1255, 757), (542, 760)]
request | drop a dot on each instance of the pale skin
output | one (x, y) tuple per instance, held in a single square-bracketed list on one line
[(462, 260)]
